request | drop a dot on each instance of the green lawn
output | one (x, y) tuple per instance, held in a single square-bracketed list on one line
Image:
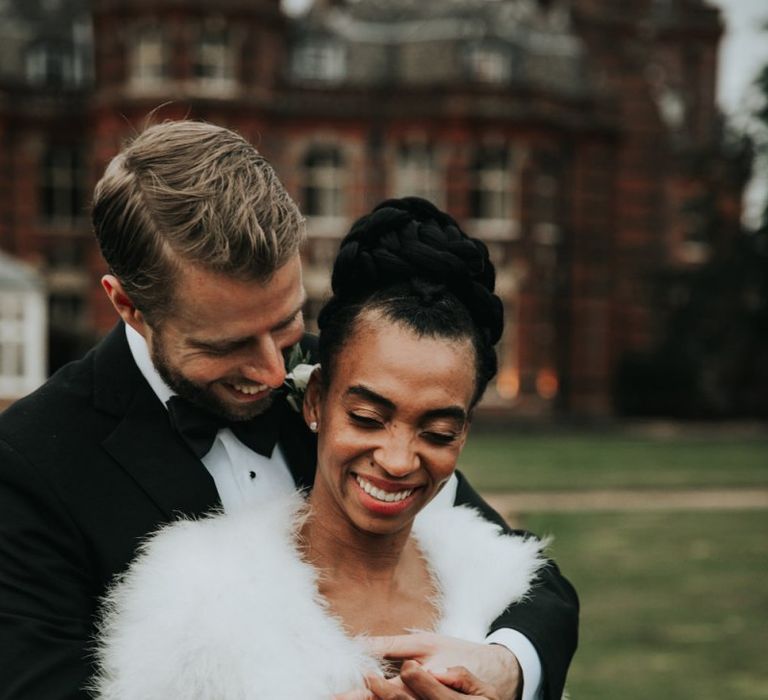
[(561, 460), (674, 605)]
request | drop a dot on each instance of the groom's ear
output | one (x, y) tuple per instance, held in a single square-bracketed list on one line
[(123, 304), (312, 406)]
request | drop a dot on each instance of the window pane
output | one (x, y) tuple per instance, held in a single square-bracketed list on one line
[(491, 194), (62, 184), (323, 182)]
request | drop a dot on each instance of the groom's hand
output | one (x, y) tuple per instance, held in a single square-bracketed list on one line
[(416, 683), (452, 684), (495, 666)]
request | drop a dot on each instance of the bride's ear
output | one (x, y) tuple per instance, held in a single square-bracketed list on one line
[(312, 406)]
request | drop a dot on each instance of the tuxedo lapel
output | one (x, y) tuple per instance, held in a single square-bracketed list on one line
[(298, 444), (147, 448), (143, 442)]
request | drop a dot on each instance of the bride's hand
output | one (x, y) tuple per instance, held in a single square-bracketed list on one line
[(495, 665), (452, 684)]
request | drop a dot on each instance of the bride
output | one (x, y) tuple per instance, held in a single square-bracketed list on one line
[(276, 601)]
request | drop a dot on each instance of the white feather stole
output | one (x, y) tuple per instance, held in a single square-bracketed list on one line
[(223, 608)]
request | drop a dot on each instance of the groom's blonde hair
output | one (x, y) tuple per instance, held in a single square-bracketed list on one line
[(191, 192)]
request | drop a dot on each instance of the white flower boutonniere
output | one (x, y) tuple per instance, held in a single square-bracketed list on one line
[(299, 372)]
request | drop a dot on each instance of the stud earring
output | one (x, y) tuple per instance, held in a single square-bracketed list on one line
[(313, 426)]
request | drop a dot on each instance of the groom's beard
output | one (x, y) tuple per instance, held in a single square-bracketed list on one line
[(200, 394)]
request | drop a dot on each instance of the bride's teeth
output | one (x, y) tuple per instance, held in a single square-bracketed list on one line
[(380, 494), (250, 389)]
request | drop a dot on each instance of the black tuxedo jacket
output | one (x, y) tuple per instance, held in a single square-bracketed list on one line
[(89, 465)]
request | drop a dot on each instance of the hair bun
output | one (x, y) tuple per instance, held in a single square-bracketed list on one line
[(411, 240)]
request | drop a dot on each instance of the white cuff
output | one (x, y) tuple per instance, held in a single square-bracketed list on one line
[(527, 657)]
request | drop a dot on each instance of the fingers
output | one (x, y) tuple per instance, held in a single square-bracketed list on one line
[(425, 685), (361, 694), (402, 646), (459, 678), (382, 689)]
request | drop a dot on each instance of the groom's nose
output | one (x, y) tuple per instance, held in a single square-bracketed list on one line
[(265, 364)]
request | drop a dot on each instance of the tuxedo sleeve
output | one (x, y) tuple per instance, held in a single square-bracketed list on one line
[(45, 599), (548, 616)]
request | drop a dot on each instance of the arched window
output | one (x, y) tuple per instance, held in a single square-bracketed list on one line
[(324, 176), (491, 184), (417, 174)]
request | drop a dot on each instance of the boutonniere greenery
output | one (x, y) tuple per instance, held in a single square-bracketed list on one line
[(299, 372)]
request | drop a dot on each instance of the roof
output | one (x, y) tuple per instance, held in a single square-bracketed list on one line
[(17, 276)]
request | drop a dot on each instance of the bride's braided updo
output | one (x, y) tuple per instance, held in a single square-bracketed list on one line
[(410, 262)]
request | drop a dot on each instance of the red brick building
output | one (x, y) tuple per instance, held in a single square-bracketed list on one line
[(571, 135)]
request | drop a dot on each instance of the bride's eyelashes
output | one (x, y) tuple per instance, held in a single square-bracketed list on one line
[(440, 438), (433, 435), (365, 421)]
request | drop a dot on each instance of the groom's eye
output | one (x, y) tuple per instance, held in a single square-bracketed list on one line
[(219, 349), (218, 352)]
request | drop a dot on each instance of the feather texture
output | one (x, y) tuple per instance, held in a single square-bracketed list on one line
[(223, 608)]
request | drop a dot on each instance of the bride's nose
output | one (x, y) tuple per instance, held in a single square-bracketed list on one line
[(397, 455)]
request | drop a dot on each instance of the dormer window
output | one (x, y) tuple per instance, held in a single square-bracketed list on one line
[(319, 59)]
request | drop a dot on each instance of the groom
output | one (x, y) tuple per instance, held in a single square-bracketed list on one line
[(175, 413)]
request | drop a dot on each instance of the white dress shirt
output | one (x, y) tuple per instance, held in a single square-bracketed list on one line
[(244, 478)]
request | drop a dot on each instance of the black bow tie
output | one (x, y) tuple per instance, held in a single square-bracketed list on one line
[(198, 427)]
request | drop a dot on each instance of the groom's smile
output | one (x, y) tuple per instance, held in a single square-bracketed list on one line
[(222, 344)]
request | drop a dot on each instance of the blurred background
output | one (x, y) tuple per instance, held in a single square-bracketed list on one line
[(613, 157)]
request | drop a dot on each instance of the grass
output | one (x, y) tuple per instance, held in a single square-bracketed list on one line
[(674, 605), (572, 461)]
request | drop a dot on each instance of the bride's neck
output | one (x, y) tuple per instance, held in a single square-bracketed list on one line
[(333, 544), (375, 584)]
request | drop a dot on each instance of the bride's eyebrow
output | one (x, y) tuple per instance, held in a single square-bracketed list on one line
[(370, 395), (452, 412)]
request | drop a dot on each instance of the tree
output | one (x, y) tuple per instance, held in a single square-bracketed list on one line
[(712, 360)]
